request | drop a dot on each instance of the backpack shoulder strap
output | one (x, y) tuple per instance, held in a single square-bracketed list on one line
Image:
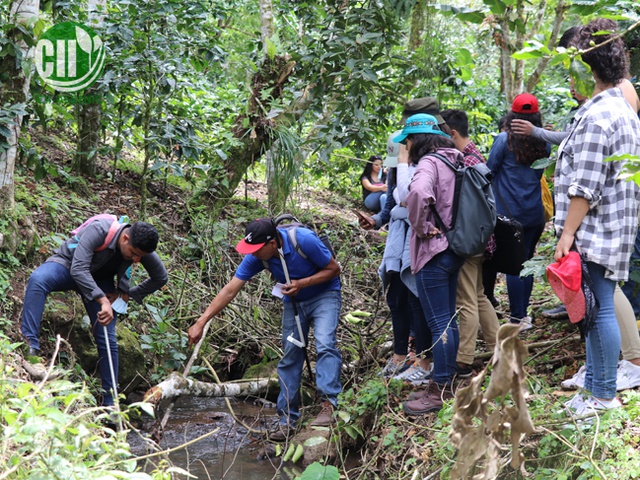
[(293, 238), (113, 229), (445, 160), (101, 216)]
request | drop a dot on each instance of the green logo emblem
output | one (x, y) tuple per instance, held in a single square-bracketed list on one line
[(69, 57)]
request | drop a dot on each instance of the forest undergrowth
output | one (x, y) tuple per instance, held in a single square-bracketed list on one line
[(375, 439)]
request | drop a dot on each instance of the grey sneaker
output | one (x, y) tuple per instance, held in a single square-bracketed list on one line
[(418, 375), (391, 369)]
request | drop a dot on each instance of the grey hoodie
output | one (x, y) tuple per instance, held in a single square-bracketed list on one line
[(79, 256)]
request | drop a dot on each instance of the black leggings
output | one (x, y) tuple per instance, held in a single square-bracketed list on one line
[(406, 315)]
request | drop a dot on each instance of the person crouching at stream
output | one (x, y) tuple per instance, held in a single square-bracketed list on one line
[(101, 250), (313, 295)]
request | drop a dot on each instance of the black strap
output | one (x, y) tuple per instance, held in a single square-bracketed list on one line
[(473, 154), (506, 207)]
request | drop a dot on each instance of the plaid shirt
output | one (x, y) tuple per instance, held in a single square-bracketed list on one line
[(472, 156), (604, 126)]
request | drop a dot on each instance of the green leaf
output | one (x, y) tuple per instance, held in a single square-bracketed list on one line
[(581, 74), (313, 441), (271, 48), (463, 57), (543, 163), (496, 6), (531, 50), (317, 471)]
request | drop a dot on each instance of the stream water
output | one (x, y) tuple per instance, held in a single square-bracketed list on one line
[(233, 453)]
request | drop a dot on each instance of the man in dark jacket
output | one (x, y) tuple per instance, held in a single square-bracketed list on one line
[(87, 263)]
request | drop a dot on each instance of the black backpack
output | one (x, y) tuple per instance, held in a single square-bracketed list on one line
[(474, 210)]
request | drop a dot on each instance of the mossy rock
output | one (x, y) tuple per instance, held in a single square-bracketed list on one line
[(65, 315), (261, 370)]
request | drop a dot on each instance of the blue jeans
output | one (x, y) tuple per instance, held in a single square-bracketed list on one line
[(53, 277), (375, 201), (323, 310), (437, 283), (603, 340), (519, 288), (631, 287)]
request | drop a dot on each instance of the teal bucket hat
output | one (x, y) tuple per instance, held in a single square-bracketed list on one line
[(420, 123)]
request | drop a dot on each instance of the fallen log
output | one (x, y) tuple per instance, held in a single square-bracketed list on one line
[(176, 385)]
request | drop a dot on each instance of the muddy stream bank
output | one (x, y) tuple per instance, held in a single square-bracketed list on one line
[(233, 453)]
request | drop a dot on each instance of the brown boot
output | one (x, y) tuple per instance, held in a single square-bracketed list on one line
[(325, 417), (431, 402)]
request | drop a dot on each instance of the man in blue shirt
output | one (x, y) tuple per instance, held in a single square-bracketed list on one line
[(315, 288)]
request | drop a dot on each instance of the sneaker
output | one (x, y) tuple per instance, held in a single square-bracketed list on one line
[(575, 382), (525, 323), (628, 375), (411, 372), (432, 401), (407, 372), (577, 402), (584, 404), (419, 376), (556, 313), (325, 417), (392, 368)]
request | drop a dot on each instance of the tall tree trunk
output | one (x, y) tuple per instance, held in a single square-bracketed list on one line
[(417, 25), (510, 40), (534, 78), (267, 30), (255, 138), (14, 91), (90, 116)]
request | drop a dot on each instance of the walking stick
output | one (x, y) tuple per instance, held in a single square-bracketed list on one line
[(114, 380), (157, 436), (298, 343)]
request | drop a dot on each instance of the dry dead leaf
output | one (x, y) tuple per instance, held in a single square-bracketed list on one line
[(478, 434)]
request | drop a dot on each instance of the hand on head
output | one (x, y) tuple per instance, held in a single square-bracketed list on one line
[(521, 127)]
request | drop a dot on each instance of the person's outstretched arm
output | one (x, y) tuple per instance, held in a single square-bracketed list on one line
[(524, 127), (221, 300)]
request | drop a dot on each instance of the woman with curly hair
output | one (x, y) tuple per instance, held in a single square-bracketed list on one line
[(517, 191), (374, 184), (596, 210)]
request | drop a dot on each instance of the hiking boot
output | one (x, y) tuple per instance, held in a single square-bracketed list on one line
[(325, 417), (575, 382), (34, 352), (432, 401), (281, 433), (419, 394), (463, 370), (556, 313), (392, 368)]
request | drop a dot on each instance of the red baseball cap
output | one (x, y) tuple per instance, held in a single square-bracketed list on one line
[(257, 234), (525, 103), (565, 278)]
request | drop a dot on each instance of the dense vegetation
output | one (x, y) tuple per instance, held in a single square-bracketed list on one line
[(211, 113)]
